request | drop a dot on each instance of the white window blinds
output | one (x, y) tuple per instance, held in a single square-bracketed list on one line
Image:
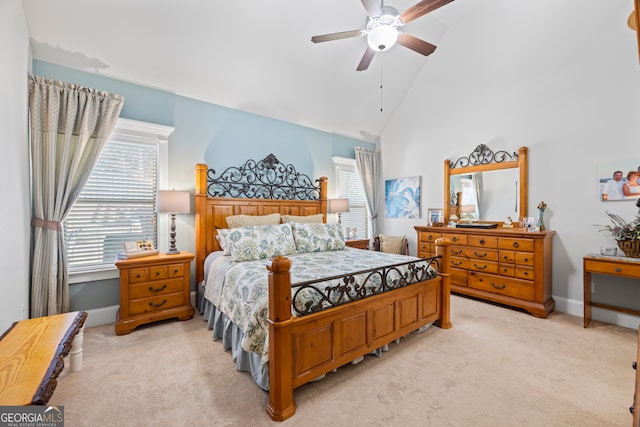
[(117, 204), (349, 185)]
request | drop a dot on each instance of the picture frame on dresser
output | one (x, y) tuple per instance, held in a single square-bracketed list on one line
[(435, 215)]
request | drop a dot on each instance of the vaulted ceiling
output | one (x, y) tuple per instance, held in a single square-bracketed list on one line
[(252, 55)]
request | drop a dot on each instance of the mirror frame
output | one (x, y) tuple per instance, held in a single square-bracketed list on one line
[(484, 159)]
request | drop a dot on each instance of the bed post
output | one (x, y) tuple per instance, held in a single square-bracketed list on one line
[(201, 220), (323, 196), (281, 404), (442, 248)]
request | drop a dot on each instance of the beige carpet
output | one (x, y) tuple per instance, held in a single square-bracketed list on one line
[(495, 367)]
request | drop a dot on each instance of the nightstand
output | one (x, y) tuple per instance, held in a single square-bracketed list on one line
[(357, 243), (154, 288)]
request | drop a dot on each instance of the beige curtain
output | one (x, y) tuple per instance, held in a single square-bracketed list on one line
[(369, 168), (69, 126)]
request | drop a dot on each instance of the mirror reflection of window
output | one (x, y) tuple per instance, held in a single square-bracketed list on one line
[(494, 194)]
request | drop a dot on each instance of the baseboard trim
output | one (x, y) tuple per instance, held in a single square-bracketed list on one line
[(101, 316), (107, 315), (576, 308)]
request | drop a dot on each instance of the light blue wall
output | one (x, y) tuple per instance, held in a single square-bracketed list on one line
[(204, 133)]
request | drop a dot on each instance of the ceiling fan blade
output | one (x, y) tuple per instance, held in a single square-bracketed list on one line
[(416, 44), (366, 59), (338, 36), (421, 8), (373, 7)]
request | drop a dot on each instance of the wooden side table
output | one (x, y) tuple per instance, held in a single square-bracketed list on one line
[(610, 265), (154, 288), (357, 243)]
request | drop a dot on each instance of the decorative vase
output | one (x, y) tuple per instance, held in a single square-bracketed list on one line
[(540, 222)]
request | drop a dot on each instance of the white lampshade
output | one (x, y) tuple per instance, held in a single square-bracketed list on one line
[(171, 201), (381, 38), (338, 206), (467, 208)]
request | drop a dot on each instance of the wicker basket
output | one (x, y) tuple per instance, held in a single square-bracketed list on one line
[(631, 248)]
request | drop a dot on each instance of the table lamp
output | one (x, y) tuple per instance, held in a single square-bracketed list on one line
[(172, 202), (339, 206)]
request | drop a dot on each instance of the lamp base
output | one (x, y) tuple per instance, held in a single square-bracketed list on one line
[(173, 252)]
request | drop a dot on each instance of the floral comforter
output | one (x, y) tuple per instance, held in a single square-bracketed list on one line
[(240, 289)]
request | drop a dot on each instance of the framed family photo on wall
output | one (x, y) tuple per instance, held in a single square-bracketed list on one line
[(619, 180), (402, 198)]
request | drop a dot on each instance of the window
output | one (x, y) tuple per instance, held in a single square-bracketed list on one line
[(349, 185), (118, 201)]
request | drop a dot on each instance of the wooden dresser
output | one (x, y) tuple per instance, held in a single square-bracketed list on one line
[(505, 265), (154, 288)]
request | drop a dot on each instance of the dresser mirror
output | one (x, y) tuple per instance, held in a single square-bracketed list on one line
[(486, 187)]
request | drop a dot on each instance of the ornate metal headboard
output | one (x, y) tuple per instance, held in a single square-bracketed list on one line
[(266, 179), (255, 188)]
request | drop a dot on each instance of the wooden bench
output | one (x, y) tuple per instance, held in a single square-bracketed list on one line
[(31, 356)]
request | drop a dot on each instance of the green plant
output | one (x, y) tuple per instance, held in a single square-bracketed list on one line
[(623, 230)]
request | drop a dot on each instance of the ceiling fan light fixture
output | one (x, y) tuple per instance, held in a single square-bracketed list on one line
[(382, 37)]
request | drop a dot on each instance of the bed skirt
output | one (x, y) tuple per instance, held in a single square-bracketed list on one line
[(231, 335)]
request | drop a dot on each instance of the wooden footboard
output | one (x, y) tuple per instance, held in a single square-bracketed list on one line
[(303, 348)]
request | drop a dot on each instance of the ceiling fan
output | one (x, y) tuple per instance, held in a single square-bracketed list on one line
[(381, 29)]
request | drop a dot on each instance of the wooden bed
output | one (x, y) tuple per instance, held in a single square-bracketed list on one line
[(304, 348)]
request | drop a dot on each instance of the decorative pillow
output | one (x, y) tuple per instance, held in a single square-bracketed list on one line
[(247, 220), (257, 242), (312, 237), (317, 218), (391, 244)]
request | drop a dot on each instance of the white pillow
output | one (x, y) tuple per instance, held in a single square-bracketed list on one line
[(392, 244), (258, 242), (246, 220), (312, 237)]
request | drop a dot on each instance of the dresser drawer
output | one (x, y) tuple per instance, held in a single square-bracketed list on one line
[(485, 254), (523, 272), (524, 258), (459, 251), (484, 266), (507, 256), (159, 287), (175, 270), (508, 270), (456, 239), (501, 285), (159, 302), (459, 277), (483, 241), (457, 262), (518, 244), (612, 268), (429, 237)]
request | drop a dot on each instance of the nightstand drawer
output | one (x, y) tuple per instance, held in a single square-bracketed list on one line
[(159, 287), (160, 302), (175, 270)]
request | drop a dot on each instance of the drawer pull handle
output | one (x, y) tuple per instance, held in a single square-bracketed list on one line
[(498, 286), (526, 259), (430, 237), (137, 276), (526, 273), (175, 271), (456, 262), (157, 273), (164, 301), (479, 255), (453, 251), (482, 241), (479, 267), (455, 239), (505, 257), (161, 288), (515, 244), (618, 270), (634, 365)]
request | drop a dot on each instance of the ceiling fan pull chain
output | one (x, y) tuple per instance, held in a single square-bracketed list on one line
[(381, 63)]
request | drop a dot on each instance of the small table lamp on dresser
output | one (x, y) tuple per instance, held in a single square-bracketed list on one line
[(172, 202)]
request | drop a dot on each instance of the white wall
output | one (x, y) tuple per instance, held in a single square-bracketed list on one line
[(562, 78), (14, 191)]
